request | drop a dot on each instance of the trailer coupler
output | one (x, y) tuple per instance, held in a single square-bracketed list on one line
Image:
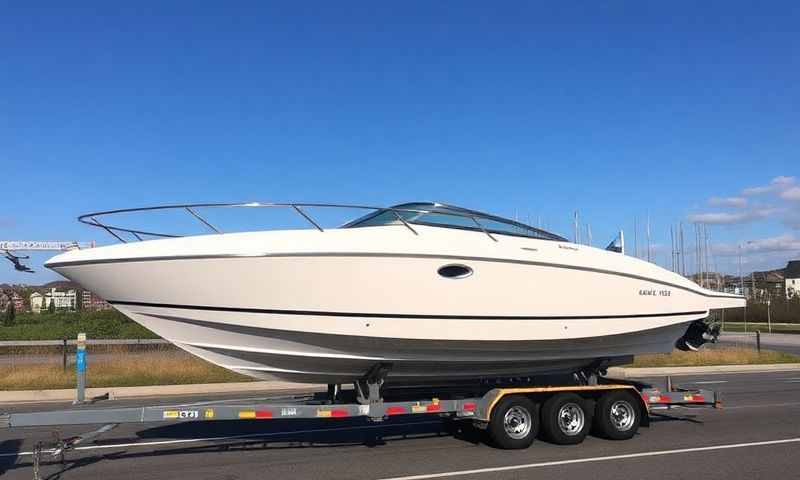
[(57, 447)]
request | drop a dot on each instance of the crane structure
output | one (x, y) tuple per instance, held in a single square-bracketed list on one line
[(9, 246)]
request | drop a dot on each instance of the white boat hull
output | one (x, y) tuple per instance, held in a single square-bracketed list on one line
[(325, 306)]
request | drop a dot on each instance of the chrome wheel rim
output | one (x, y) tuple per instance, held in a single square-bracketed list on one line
[(622, 415), (517, 423), (571, 419)]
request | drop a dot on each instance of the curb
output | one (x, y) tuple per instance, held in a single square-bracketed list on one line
[(68, 394)]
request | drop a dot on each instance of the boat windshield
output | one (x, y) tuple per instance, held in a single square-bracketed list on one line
[(439, 215)]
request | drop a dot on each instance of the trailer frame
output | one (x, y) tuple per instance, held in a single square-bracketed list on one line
[(446, 402)]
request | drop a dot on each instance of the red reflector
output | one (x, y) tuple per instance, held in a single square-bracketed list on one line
[(263, 414), (664, 399), (339, 413), (698, 398), (434, 407), (395, 410), (469, 407)]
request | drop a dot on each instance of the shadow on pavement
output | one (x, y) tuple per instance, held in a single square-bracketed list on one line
[(656, 417), (237, 436), (8, 446)]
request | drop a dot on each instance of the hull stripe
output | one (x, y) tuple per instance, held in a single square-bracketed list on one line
[(397, 315)]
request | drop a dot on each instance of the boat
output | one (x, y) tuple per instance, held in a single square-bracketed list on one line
[(421, 291)]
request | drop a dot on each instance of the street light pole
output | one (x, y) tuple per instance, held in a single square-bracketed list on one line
[(769, 318)]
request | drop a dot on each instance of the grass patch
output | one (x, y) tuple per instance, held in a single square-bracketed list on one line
[(714, 356), (763, 327), (164, 366), (128, 366), (67, 324)]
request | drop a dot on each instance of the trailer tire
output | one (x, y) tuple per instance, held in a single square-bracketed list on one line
[(514, 423), (617, 416), (565, 419)]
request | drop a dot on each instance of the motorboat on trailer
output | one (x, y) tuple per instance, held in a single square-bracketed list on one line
[(420, 292)]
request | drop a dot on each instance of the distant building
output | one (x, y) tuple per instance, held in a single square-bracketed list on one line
[(37, 300), (757, 285), (19, 304), (90, 301), (792, 278), (62, 300), (9, 297), (766, 284)]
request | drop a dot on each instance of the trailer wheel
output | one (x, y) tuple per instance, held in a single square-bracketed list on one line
[(617, 416), (514, 423), (565, 419)]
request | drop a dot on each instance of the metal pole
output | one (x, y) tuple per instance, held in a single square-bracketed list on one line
[(589, 234), (741, 278), (80, 368), (64, 353), (769, 317), (758, 340), (672, 246), (745, 315), (648, 237), (683, 252)]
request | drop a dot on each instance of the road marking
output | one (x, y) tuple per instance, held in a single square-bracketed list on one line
[(710, 382), (792, 381), (593, 459), (215, 439)]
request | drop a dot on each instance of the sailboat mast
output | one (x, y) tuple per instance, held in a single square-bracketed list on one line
[(672, 247), (683, 252), (649, 256)]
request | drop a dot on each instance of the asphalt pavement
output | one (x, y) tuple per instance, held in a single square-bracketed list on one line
[(756, 435), (782, 342)]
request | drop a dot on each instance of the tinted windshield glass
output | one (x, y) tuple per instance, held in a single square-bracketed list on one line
[(511, 228), (453, 217), (384, 217)]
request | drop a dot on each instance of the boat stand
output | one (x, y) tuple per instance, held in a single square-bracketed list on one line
[(371, 385)]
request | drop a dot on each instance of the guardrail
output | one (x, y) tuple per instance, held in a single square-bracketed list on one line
[(99, 341)]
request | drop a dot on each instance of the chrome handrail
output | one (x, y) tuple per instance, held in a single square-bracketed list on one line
[(92, 218)]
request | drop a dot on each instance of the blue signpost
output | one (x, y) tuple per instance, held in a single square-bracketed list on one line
[(80, 367)]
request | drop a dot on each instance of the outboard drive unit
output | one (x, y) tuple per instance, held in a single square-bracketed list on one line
[(698, 333)]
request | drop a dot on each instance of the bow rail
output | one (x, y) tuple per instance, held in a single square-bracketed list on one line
[(97, 219)]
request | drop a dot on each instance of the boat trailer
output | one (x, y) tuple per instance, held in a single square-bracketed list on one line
[(486, 410)]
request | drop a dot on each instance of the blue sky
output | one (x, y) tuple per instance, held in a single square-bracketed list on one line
[(618, 110)]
